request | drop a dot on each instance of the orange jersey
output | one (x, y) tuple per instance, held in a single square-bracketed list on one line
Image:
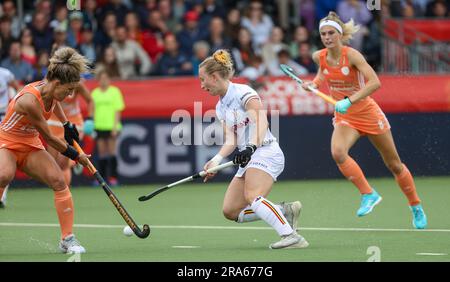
[(343, 81), (16, 128)]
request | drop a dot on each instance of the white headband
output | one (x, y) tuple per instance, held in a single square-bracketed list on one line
[(331, 23)]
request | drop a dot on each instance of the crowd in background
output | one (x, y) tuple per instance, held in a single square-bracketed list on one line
[(133, 39)]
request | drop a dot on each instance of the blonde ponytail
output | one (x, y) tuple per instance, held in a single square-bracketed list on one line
[(219, 62)]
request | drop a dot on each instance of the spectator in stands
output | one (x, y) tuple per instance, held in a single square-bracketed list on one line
[(104, 35), (408, 11), (305, 57), (209, 9), (438, 9), (307, 14), (42, 33), (255, 69), (356, 10), (40, 68), (301, 35), (45, 7), (117, 8), (9, 10), (153, 37), (90, 14), (28, 51), (179, 10), (108, 105), (173, 62), (61, 18), (324, 6), (108, 62), (21, 69), (233, 24), (201, 52), (243, 50), (284, 57), (173, 23), (190, 33), (6, 37), (87, 45), (271, 48), (74, 30), (217, 39), (60, 38), (128, 52), (134, 31), (258, 23)]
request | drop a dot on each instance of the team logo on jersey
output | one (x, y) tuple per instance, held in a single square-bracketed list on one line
[(325, 71), (345, 70)]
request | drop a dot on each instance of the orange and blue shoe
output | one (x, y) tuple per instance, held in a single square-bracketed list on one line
[(368, 202), (419, 217)]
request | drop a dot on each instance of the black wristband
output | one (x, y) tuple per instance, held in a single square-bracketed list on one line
[(251, 146), (71, 153)]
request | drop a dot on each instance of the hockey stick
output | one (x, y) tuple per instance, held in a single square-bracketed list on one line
[(126, 216), (290, 72), (187, 179)]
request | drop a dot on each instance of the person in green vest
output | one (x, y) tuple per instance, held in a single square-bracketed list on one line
[(108, 104)]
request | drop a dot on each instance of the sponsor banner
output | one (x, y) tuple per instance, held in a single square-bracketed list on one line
[(162, 97)]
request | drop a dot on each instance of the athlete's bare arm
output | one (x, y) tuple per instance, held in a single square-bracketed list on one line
[(59, 113), (229, 144), (28, 105), (373, 83), (258, 118), (319, 78)]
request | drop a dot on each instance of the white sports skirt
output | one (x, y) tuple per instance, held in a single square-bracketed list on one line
[(268, 158)]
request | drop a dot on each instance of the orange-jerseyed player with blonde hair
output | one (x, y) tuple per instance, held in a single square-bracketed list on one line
[(72, 111), (351, 80), (26, 118)]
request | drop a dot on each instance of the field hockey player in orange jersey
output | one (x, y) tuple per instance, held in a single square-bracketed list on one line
[(72, 111), (26, 118), (351, 81)]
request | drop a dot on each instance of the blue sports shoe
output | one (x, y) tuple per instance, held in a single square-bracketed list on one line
[(368, 202), (419, 217)]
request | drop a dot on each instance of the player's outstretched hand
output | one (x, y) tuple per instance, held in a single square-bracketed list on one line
[(207, 166), (308, 84), (83, 159)]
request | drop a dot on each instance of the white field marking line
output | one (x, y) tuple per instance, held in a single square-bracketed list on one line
[(16, 224), (185, 247), (431, 254)]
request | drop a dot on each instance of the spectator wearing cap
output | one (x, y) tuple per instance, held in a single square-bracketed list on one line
[(21, 69), (6, 36), (42, 32), (74, 30), (128, 53), (172, 62), (190, 33), (284, 57)]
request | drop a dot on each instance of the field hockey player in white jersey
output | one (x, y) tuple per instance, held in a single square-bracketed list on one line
[(260, 158)]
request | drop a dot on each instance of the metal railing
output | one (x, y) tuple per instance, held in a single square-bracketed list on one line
[(411, 51)]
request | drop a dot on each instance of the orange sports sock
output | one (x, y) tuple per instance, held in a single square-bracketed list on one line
[(351, 170), (64, 209), (406, 183)]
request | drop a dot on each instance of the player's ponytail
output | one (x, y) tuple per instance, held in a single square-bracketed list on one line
[(66, 65), (348, 29), (219, 62)]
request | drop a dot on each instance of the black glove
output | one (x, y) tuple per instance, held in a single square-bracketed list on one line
[(71, 133), (243, 157)]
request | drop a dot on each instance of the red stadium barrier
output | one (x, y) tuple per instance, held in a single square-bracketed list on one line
[(398, 94)]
